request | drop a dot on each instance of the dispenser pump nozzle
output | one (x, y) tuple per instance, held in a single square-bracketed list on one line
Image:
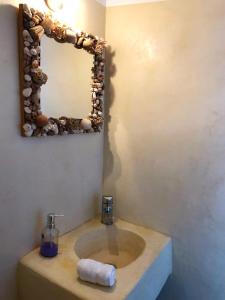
[(51, 219)]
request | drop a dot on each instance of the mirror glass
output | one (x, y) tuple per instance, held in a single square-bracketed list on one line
[(66, 93)]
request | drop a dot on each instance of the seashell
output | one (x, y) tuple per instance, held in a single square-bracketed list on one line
[(28, 133), (100, 76), (94, 96), (94, 115), (27, 103), (48, 31), (27, 92), (33, 52), (86, 124), (33, 11), (27, 127), (26, 11), (47, 127), (62, 122), (34, 126), (32, 24), (27, 84), (80, 41), (26, 60), (28, 130), (35, 64), (26, 51), (99, 113), (55, 128), (27, 36), (38, 49), (27, 44), (27, 77), (71, 36), (101, 44), (37, 32), (48, 25), (59, 34), (41, 120), (27, 110), (27, 70), (88, 43), (98, 84), (78, 33), (28, 117), (38, 134), (36, 19), (40, 14), (39, 77), (37, 106)]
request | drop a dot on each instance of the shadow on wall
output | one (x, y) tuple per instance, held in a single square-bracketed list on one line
[(110, 153)]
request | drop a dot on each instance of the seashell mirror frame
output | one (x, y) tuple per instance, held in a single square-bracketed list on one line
[(32, 25)]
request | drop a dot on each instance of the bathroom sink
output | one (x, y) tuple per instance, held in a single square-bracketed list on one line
[(110, 245), (143, 258)]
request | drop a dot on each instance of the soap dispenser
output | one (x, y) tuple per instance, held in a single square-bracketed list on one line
[(49, 237)]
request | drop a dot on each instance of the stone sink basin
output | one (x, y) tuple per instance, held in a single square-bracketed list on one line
[(143, 259), (110, 245)]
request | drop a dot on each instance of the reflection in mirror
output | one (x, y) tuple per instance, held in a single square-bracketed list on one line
[(67, 93)]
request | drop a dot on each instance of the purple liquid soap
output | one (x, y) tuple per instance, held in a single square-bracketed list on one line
[(49, 237), (49, 249)]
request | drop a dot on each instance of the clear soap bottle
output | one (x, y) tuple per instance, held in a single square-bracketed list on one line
[(49, 237)]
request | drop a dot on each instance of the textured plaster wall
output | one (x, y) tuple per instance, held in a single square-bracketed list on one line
[(165, 148), (37, 176)]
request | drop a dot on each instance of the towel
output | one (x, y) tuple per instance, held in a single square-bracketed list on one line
[(96, 272)]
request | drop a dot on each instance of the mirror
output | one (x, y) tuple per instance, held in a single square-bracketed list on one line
[(66, 94), (69, 98)]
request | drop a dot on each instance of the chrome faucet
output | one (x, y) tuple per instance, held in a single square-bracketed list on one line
[(107, 210)]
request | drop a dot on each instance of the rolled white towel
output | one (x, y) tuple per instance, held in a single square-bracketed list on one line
[(96, 272)]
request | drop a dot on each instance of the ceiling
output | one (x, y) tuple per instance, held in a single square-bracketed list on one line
[(124, 2)]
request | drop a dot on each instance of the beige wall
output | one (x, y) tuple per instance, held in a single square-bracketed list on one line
[(164, 151), (164, 156), (59, 174)]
